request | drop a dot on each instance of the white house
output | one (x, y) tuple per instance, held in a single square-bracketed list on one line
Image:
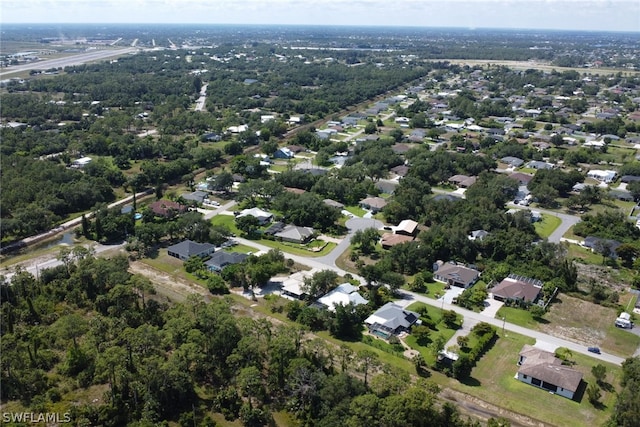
[(542, 369), (343, 294), (606, 176)]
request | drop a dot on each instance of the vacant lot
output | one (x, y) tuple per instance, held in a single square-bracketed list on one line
[(588, 323)]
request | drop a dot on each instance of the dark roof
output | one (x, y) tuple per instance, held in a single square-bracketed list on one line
[(518, 287), (457, 274), (188, 248), (448, 197), (196, 196), (594, 242), (221, 259), (630, 178), (276, 227)]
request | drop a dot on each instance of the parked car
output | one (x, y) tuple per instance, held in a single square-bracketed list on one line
[(594, 350)]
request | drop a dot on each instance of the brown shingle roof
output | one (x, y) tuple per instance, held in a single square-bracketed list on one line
[(545, 366), (388, 239), (518, 288), (166, 207)]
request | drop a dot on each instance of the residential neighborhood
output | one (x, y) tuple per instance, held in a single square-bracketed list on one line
[(291, 218)]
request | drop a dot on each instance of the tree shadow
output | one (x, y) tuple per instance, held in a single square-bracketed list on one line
[(471, 382), (608, 387)]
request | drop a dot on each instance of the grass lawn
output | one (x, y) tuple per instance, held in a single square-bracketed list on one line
[(584, 255), (493, 380), (297, 249), (517, 316), (356, 210), (441, 330), (243, 249), (547, 225), (279, 168), (228, 221), (435, 289)]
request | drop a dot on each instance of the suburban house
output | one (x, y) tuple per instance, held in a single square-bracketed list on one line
[(374, 204), (406, 227), (522, 178), (543, 369), (344, 294), (516, 287), (283, 153), (197, 196), (221, 259), (293, 285), (512, 161), (333, 203), (187, 248), (606, 176), (456, 275), (400, 171), (295, 234), (389, 240), (166, 208), (391, 319), (262, 216), (463, 181), (596, 244), (536, 164)]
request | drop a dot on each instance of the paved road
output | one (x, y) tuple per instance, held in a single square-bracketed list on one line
[(35, 267), (409, 297), (82, 58), (353, 224), (568, 221), (327, 262), (70, 224)]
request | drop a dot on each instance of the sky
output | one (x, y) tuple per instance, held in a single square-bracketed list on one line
[(597, 15)]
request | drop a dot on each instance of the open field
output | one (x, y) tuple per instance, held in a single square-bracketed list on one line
[(536, 65), (592, 324)]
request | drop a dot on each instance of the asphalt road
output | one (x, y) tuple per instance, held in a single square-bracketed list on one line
[(409, 297), (81, 58)]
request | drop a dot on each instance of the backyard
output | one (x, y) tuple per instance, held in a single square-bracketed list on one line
[(495, 383)]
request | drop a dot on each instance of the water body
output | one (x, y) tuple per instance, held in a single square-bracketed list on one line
[(65, 239)]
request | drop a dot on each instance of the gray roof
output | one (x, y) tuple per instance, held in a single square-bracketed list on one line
[(457, 274), (390, 317), (188, 248), (221, 259), (295, 232)]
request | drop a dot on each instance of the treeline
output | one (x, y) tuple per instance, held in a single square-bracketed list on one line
[(37, 194), (90, 323)]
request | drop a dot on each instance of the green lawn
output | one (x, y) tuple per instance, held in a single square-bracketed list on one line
[(228, 221), (493, 381), (441, 330), (547, 225), (243, 249), (517, 316), (297, 249), (356, 210)]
